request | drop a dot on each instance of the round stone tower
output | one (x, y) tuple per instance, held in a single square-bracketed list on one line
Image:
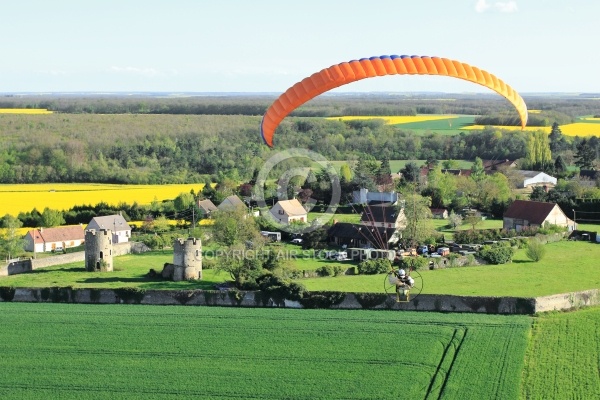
[(187, 259), (98, 250)]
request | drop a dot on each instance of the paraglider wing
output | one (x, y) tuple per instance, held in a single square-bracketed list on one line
[(355, 70)]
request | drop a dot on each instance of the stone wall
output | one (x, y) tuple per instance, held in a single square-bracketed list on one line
[(567, 301), (19, 267), (16, 267), (234, 298)]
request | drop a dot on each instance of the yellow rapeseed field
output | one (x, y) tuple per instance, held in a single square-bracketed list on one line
[(24, 111), (62, 196), (577, 129), (581, 129), (393, 120)]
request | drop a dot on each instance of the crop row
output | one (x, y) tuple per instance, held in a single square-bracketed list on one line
[(119, 351), (563, 358)]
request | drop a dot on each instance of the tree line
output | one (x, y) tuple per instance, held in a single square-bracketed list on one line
[(150, 149)]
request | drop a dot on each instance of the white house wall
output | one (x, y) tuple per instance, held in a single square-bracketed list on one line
[(557, 217)]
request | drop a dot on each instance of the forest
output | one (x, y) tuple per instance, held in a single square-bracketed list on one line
[(154, 139)]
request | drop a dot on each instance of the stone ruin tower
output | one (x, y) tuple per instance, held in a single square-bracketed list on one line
[(187, 259), (98, 250)]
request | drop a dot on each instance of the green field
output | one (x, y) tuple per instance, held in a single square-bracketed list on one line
[(563, 356), (450, 126), (72, 351)]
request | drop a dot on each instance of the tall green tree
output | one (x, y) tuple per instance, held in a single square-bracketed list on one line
[(184, 201), (51, 218), (11, 243), (233, 226), (585, 155), (477, 170), (384, 174), (558, 142), (410, 172), (345, 172), (539, 155), (419, 222)]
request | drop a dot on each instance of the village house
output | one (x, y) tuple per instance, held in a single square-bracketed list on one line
[(289, 211), (121, 231), (206, 207), (380, 226), (523, 214), (361, 236), (232, 203), (384, 216), (498, 165), (439, 213), (50, 239)]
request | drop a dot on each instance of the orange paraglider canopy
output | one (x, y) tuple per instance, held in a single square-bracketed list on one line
[(352, 71)]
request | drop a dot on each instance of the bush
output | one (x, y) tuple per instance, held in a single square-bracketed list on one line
[(209, 263), (372, 267), (535, 250), (453, 259), (279, 289), (330, 270), (415, 263), (500, 253)]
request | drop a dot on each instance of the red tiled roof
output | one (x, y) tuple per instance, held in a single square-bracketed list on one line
[(535, 212), (59, 234)]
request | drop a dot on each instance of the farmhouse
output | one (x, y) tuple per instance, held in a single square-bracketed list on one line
[(498, 165), (206, 207), (49, 239), (535, 178), (121, 231), (288, 211), (360, 236), (384, 217), (522, 214), (231, 203)]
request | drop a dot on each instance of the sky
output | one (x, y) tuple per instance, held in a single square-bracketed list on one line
[(268, 45)]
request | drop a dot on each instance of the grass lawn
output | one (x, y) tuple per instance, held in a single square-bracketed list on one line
[(351, 218), (130, 271), (441, 225), (566, 267)]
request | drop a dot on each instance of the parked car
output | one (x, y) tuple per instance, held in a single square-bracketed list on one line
[(297, 241)]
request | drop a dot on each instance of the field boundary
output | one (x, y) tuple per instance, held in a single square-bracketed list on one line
[(234, 298), (331, 300)]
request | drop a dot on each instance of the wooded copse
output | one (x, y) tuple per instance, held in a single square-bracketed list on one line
[(172, 147)]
